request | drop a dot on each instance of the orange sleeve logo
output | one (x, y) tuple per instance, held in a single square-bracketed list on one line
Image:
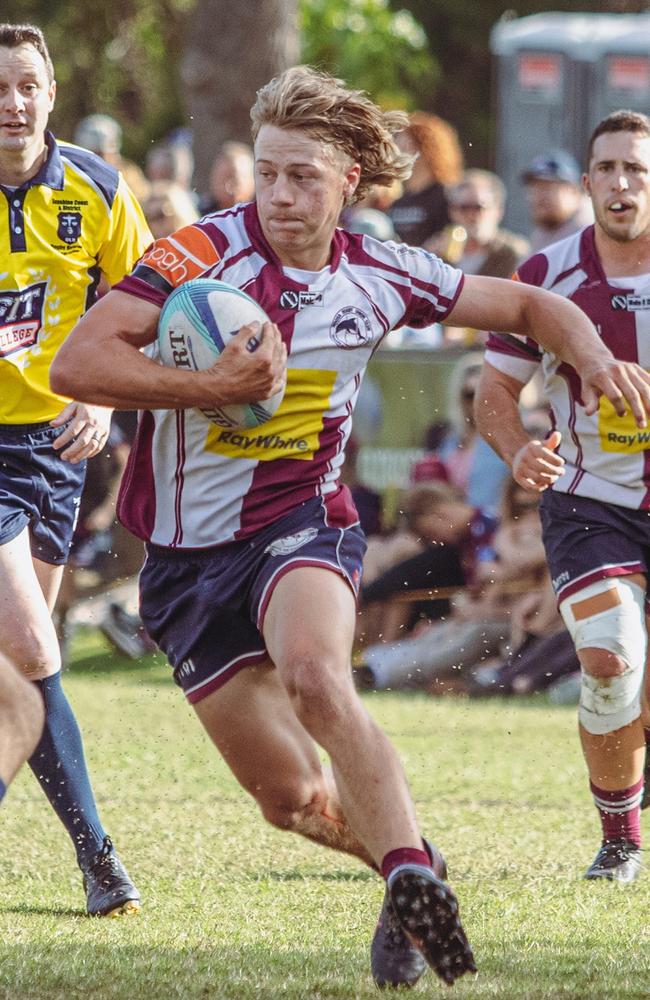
[(187, 254)]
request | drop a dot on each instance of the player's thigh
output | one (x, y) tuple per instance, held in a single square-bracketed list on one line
[(310, 622), (27, 636), (253, 725), (49, 578)]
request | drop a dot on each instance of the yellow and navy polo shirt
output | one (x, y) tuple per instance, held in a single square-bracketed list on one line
[(74, 221)]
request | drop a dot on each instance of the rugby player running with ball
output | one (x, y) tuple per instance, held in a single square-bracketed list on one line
[(254, 553)]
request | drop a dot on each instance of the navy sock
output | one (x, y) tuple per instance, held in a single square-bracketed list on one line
[(60, 767), (3, 789)]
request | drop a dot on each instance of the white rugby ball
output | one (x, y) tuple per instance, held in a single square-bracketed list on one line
[(196, 322)]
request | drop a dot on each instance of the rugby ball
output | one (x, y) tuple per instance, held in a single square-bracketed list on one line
[(196, 322)]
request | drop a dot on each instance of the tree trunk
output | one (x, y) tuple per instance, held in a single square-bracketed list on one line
[(232, 48)]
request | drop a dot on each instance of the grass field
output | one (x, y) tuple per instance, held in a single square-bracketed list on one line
[(235, 909)]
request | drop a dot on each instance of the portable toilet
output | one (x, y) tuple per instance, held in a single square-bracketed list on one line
[(619, 72), (556, 76)]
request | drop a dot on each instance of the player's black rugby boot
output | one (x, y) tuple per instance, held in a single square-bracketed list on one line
[(109, 890), (394, 960), (616, 861), (427, 910)]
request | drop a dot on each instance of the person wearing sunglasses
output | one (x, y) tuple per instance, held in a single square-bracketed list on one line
[(474, 240)]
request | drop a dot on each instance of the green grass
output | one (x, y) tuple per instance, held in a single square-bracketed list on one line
[(234, 909)]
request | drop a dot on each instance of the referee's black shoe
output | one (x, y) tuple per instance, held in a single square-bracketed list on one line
[(616, 861), (394, 960), (109, 890)]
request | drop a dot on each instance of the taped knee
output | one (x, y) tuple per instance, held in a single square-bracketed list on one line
[(609, 615)]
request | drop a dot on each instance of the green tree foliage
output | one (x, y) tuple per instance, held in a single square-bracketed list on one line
[(120, 58), (124, 57), (374, 48)]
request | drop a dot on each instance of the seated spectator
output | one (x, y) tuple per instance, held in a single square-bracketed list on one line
[(557, 204), (167, 208), (421, 211), (452, 538), (231, 178), (405, 540), (474, 240), (480, 621), (101, 134), (541, 650)]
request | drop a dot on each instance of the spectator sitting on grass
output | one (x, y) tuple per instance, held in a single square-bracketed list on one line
[(449, 537), (480, 622)]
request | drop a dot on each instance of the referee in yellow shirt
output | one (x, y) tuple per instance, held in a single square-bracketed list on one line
[(66, 218)]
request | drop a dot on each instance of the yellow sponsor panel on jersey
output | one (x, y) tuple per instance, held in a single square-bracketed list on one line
[(294, 429), (620, 434)]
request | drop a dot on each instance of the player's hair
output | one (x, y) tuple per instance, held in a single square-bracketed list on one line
[(438, 145), (13, 35), (324, 108), (624, 120)]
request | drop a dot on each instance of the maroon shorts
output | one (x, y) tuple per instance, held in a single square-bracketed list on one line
[(587, 540), (205, 609)]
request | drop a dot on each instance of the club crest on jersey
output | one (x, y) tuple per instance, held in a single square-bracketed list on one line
[(290, 299), (350, 329), (69, 226), (21, 317), (631, 302), (283, 546)]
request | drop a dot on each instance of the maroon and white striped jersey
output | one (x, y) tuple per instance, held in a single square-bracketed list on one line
[(607, 457), (191, 484)]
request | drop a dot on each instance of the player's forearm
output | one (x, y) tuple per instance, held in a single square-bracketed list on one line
[(132, 380), (563, 329), (498, 420)]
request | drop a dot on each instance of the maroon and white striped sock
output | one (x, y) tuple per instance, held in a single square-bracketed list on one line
[(404, 856), (620, 814)]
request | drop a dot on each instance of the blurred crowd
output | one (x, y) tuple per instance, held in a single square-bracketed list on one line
[(456, 595)]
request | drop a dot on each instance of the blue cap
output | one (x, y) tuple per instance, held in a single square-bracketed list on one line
[(557, 165)]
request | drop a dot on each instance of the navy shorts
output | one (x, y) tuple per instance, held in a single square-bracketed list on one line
[(586, 541), (39, 489), (205, 609)]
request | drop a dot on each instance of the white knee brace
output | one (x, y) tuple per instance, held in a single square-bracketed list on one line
[(609, 703)]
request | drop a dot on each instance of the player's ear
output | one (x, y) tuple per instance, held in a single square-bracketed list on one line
[(352, 178), (52, 94), (585, 183)]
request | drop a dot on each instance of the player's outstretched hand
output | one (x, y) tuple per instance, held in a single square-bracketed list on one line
[(85, 431), (536, 466), (624, 383), (252, 366)]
